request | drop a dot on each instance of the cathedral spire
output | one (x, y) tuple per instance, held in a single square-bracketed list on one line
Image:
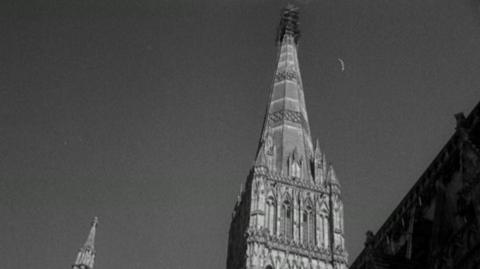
[(90, 242), (291, 213), (86, 254), (286, 120)]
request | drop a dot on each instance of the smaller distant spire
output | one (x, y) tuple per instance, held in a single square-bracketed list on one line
[(261, 158), (90, 243), (320, 164), (332, 176), (266, 150), (86, 254), (318, 152)]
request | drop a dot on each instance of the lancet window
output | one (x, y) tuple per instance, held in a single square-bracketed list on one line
[(271, 215), (286, 220), (308, 226), (295, 169), (337, 218), (324, 228), (341, 218)]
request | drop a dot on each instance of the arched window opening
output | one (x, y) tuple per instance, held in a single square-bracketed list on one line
[(341, 219), (286, 228), (256, 198), (289, 226), (269, 267), (337, 218), (304, 227), (271, 215), (295, 169), (308, 226), (311, 227), (321, 227), (325, 232)]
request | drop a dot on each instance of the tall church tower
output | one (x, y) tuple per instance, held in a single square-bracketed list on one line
[(290, 214), (86, 254)]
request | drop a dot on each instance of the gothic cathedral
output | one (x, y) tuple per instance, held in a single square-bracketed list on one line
[(290, 215)]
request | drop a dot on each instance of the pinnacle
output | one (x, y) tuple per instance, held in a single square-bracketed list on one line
[(86, 255), (90, 242), (318, 151), (332, 176)]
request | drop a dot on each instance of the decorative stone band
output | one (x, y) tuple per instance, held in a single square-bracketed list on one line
[(286, 75), (262, 237), (288, 115), (259, 171)]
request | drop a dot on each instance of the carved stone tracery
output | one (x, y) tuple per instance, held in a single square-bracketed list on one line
[(286, 75)]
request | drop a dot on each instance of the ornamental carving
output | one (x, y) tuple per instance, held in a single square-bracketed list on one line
[(286, 75), (292, 116)]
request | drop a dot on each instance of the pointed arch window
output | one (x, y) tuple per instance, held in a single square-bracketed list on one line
[(271, 215), (320, 236), (295, 169), (304, 227), (286, 227), (256, 196), (324, 226), (311, 227), (341, 217), (308, 226), (337, 218)]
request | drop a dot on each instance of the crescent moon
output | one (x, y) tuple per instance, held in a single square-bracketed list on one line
[(342, 64)]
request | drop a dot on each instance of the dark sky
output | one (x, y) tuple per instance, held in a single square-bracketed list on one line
[(148, 114)]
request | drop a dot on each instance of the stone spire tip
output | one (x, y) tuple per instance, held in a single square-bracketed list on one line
[(90, 242), (86, 255), (95, 221), (317, 146), (332, 176), (289, 23)]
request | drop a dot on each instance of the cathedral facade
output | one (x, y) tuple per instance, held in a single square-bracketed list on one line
[(437, 223), (290, 213)]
